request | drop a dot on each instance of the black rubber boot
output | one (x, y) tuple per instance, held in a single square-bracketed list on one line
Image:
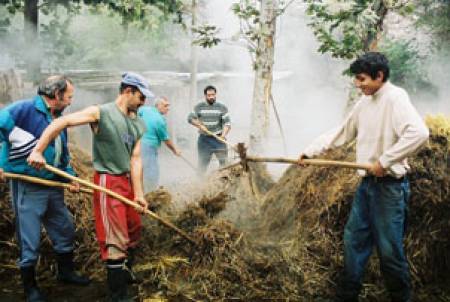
[(132, 278), (66, 272), (117, 278), (31, 289)]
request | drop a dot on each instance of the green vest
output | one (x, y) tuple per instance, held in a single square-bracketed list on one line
[(115, 139)]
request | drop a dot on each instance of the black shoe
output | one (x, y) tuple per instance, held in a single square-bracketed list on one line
[(31, 289), (118, 278), (66, 272)]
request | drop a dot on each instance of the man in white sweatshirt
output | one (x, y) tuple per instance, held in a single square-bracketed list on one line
[(387, 129)]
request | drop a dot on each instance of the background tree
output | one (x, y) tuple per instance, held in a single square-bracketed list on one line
[(54, 33)]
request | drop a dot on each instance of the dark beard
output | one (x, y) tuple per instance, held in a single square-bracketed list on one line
[(132, 112)]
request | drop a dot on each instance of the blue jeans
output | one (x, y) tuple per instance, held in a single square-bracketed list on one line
[(151, 167), (377, 218), (35, 204), (207, 146)]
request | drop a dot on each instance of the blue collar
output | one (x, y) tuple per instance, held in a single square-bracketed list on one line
[(154, 109), (41, 106)]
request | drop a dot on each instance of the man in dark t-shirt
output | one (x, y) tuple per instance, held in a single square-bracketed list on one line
[(118, 167)]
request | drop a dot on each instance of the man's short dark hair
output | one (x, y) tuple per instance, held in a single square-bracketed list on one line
[(125, 86), (209, 87), (371, 63), (53, 84)]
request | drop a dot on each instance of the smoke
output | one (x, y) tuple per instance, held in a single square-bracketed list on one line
[(309, 89), (438, 67)]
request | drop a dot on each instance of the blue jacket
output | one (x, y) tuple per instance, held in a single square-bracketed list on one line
[(21, 125)]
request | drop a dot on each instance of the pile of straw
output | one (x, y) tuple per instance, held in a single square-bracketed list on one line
[(293, 249)]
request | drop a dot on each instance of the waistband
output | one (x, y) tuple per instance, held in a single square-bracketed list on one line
[(126, 174), (385, 179), (207, 135)]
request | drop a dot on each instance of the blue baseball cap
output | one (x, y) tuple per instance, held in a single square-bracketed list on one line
[(138, 81)]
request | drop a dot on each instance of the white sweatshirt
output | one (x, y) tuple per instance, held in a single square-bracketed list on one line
[(386, 126)]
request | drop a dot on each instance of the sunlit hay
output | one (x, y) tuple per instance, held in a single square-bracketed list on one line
[(439, 124)]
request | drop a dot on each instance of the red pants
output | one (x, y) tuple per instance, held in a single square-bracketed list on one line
[(118, 226)]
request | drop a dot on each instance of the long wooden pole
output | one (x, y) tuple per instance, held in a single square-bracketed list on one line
[(188, 162), (119, 197), (220, 139), (45, 182), (312, 162)]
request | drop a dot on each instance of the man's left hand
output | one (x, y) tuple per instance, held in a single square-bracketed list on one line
[(74, 187), (377, 170), (143, 203)]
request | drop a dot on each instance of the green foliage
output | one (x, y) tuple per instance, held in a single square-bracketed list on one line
[(345, 28), (56, 42), (135, 22), (100, 40), (206, 35), (12, 6), (9, 9), (246, 10), (406, 65), (435, 15), (141, 10)]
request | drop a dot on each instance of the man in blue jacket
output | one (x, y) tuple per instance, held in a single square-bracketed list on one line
[(21, 125)]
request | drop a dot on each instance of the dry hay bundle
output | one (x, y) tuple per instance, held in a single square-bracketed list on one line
[(225, 264), (160, 201), (9, 249), (312, 204)]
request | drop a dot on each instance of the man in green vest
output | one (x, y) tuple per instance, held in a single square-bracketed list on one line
[(117, 133)]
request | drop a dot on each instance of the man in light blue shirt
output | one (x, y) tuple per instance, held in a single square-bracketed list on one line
[(155, 122)]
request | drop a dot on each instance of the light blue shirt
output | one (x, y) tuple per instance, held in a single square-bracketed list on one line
[(156, 126)]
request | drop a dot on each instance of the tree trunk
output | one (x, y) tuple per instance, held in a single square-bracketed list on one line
[(11, 87), (194, 59), (371, 42), (262, 89), (31, 32), (260, 179)]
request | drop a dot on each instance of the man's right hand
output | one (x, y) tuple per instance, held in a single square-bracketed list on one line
[(202, 127), (301, 159), (2, 175), (36, 160)]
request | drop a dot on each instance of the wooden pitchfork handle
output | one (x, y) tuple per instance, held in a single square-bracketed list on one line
[(120, 198), (219, 138), (41, 181), (312, 162), (187, 162)]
